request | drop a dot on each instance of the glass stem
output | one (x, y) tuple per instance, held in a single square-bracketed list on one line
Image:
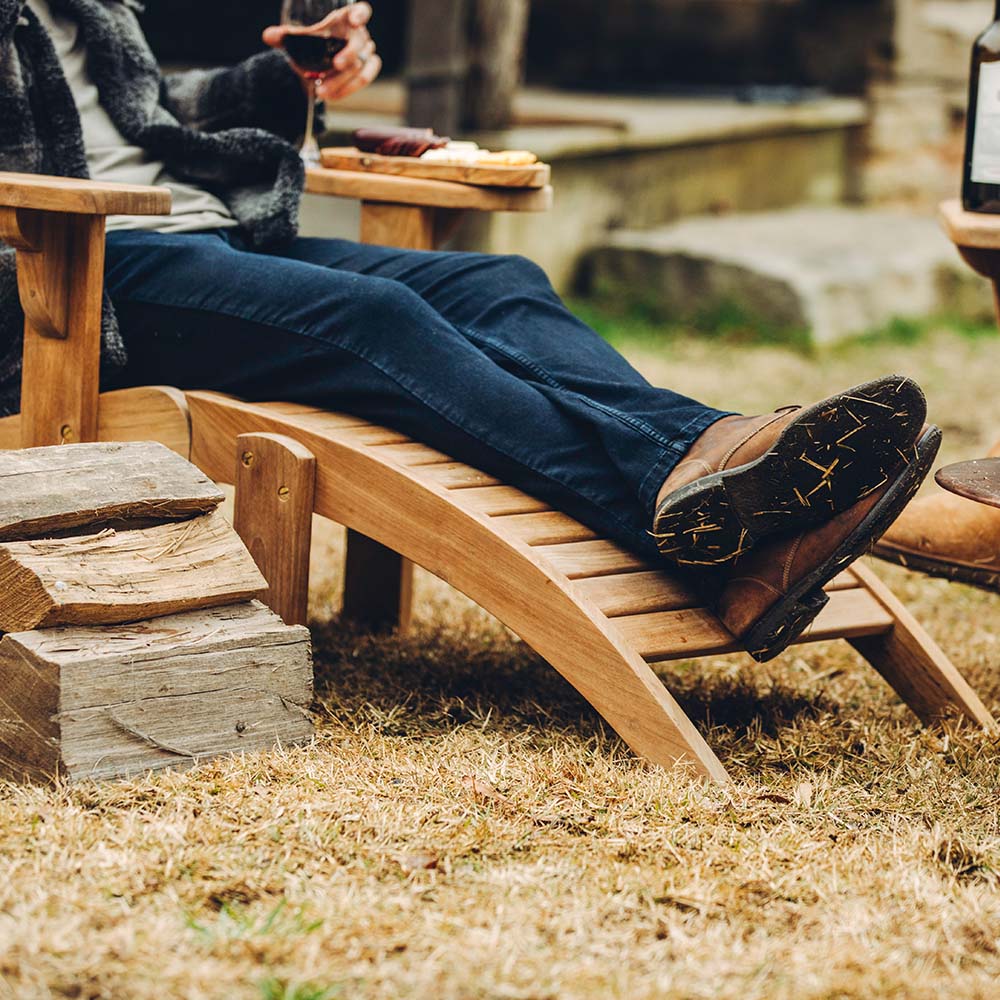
[(310, 147)]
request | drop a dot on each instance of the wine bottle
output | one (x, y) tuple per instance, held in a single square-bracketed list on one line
[(981, 180)]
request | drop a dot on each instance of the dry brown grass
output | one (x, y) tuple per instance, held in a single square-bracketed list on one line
[(464, 826)]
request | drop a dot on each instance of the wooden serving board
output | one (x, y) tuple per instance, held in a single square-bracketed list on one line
[(349, 158)]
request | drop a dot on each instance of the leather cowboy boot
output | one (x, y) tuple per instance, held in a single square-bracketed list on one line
[(948, 536), (772, 595), (747, 478)]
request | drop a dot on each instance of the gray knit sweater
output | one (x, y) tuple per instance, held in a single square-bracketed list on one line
[(225, 130)]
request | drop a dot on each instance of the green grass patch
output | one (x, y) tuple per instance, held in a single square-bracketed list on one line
[(633, 321), (623, 321)]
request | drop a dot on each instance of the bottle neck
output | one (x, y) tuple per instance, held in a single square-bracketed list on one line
[(996, 14)]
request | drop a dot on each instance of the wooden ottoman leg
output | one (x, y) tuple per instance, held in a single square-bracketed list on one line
[(275, 492), (378, 586), (913, 663)]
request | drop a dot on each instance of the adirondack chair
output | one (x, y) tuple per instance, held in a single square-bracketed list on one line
[(597, 613)]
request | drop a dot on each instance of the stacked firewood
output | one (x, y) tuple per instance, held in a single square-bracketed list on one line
[(132, 639)]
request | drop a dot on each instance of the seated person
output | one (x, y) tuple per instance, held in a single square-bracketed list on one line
[(475, 355)]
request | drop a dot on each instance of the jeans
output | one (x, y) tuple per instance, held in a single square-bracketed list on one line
[(471, 354)]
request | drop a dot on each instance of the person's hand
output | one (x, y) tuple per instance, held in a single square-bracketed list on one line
[(356, 65)]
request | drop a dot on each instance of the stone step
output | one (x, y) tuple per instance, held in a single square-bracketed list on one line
[(834, 272), (635, 161)]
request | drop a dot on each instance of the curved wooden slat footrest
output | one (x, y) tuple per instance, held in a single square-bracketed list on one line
[(596, 612)]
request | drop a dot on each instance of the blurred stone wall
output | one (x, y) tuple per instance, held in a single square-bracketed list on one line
[(917, 107)]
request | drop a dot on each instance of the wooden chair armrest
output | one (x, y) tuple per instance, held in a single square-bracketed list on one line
[(80, 197), (57, 225), (389, 189)]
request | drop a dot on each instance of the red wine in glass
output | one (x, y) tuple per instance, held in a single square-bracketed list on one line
[(311, 54)]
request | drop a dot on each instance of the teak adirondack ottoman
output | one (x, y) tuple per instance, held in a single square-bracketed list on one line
[(596, 612)]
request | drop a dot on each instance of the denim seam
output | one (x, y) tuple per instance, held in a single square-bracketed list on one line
[(640, 427), (629, 528)]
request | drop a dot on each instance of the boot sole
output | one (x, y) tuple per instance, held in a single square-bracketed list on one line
[(831, 456), (779, 627), (985, 579)]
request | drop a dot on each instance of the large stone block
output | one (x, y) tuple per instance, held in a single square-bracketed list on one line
[(833, 272)]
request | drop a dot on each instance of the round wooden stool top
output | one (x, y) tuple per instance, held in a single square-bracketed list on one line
[(979, 480)]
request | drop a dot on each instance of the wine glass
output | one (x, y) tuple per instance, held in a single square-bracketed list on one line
[(312, 55)]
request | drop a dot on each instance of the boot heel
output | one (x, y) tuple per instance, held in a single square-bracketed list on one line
[(777, 630)]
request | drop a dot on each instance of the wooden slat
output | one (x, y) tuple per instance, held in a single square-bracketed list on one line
[(412, 191), (50, 491), (637, 593), (641, 593), (148, 413), (455, 476), (411, 454), (549, 528), (499, 500), (369, 434), (83, 197), (675, 635), (584, 559), (305, 410)]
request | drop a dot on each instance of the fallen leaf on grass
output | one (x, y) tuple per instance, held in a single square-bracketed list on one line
[(418, 861), (775, 797), (804, 794), (686, 904), (482, 789)]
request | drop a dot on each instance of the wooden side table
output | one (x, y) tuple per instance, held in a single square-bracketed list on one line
[(977, 236), (978, 480), (417, 214)]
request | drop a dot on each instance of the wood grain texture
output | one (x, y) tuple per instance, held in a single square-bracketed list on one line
[(978, 480), (61, 284), (977, 230), (275, 495), (116, 702), (349, 158), (406, 510), (83, 197), (404, 226), (378, 586), (50, 491), (429, 194), (692, 632), (913, 663), (147, 413), (499, 500), (643, 593), (547, 528), (114, 577), (405, 505)]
